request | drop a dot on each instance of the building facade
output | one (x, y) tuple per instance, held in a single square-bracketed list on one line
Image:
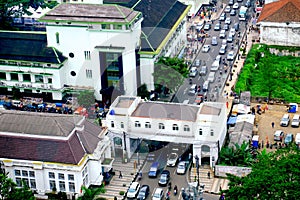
[(131, 119), (53, 152)]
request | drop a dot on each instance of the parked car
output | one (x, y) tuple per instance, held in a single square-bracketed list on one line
[(228, 20), (289, 138), (297, 139), (227, 9), (158, 194), (226, 27), (222, 17), (181, 168), (278, 135), (207, 27), (222, 34), (236, 6), (230, 56), (172, 160), (193, 72), (230, 38), (296, 121), (197, 63), (133, 190), (214, 41), (144, 192), (285, 120), (205, 48), (232, 12), (164, 178), (217, 27)]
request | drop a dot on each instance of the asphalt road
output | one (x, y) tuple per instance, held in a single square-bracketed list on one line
[(207, 59)]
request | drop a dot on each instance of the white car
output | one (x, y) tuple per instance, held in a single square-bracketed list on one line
[(133, 190), (206, 27), (181, 168), (205, 48), (158, 194), (222, 34), (235, 6), (228, 20), (227, 9), (230, 38), (193, 72), (222, 17), (230, 56), (232, 31), (222, 50), (172, 160), (217, 27)]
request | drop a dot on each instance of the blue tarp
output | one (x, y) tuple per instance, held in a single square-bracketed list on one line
[(231, 120), (292, 109)]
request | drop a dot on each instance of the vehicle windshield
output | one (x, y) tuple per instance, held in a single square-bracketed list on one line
[(142, 193), (173, 156), (284, 119), (131, 190), (180, 166)]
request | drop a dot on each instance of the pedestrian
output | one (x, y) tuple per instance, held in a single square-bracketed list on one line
[(120, 175), (208, 174), (115, 198), (273, 124)]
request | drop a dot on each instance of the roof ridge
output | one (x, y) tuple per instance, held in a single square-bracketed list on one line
[(118, 8), (146, 38)]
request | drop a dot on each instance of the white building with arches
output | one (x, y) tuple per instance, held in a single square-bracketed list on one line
[(203, 126)]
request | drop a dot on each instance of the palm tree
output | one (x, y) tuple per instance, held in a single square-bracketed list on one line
[(91, 193)]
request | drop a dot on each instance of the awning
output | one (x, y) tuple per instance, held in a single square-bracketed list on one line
[(231, 120)]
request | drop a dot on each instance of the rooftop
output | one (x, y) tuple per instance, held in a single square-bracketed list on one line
[(210, 110), (90, 13), (170, 111), (124, 102), (28, 46), (282, 11)]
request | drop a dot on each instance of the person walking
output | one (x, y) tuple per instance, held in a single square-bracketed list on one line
[(120, 175), (272, 124), (208, 174)]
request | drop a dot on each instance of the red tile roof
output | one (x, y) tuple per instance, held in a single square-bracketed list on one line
[(281, 11)]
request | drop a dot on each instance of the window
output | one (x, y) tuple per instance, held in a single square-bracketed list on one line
[(147, 125), (51, 175), (137, 124), (31, 174), (19, 182), (73, 73), (39, 79), (71, 55), (71, 187), (14, 77), (24, 173), (26, 182), (87, 55), (118, 26), (200, 131), (175, 127), (186, 128), (52, 184), (61, 176), (70, 177), (62, 186), (161, 126), (112, 123), (22, 176), (26, 77), (211, 132), (105, 26), (2, 75), (17, 172), (57, 37), (32, 183), (88, 73), (122, 125)]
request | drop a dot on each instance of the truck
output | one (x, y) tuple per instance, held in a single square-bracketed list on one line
[(243, 13)]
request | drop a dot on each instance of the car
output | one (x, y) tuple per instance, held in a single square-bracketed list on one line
[(227, 9), (236, 26), (218, 58), (224, 42), (153, 170), (222, 34), (207, 27), (232, 31), (285, 120), (144, 192), (226, 27), (222, 50), (193, 89), (248, 4), (193, 72), (197, 63), (228, 20), (205, 48), (164, 178), (214, 41), (181, 168), (278, 135), (203, 70), (172, 160), (198, 101), (232, 12), (222, 17), (296, 121), (236, 6), (230, 56), (231, 2), (217, 27), (230, 38), (158, 194), (133, 190), (297, 140), (289, 138)]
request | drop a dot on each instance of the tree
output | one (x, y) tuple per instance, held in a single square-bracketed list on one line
[(91, 193), (143, 92), (276, 175), (17, 8), (86, 98)]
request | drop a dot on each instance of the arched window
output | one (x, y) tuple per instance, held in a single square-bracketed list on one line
[(137, 124), (175, 127), (112, 124), (186, 128), (161, 126), (200, 131), (211, 132), (122, 124), (147, 125)]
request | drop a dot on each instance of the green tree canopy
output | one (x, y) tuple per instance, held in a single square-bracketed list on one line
[(91, 193), (276, 175), (86, 98)]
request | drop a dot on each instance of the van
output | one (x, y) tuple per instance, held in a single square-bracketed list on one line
[(211, 77), (285, 120), (203, 70), (192, 90), (205, 86), (296, 121), (153, 170)]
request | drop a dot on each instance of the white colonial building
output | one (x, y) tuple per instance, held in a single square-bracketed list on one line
[(131, 119), (92, 45), (50, 151), (279, 23)]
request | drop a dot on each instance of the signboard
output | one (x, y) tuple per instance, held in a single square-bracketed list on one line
[(221, 171)]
